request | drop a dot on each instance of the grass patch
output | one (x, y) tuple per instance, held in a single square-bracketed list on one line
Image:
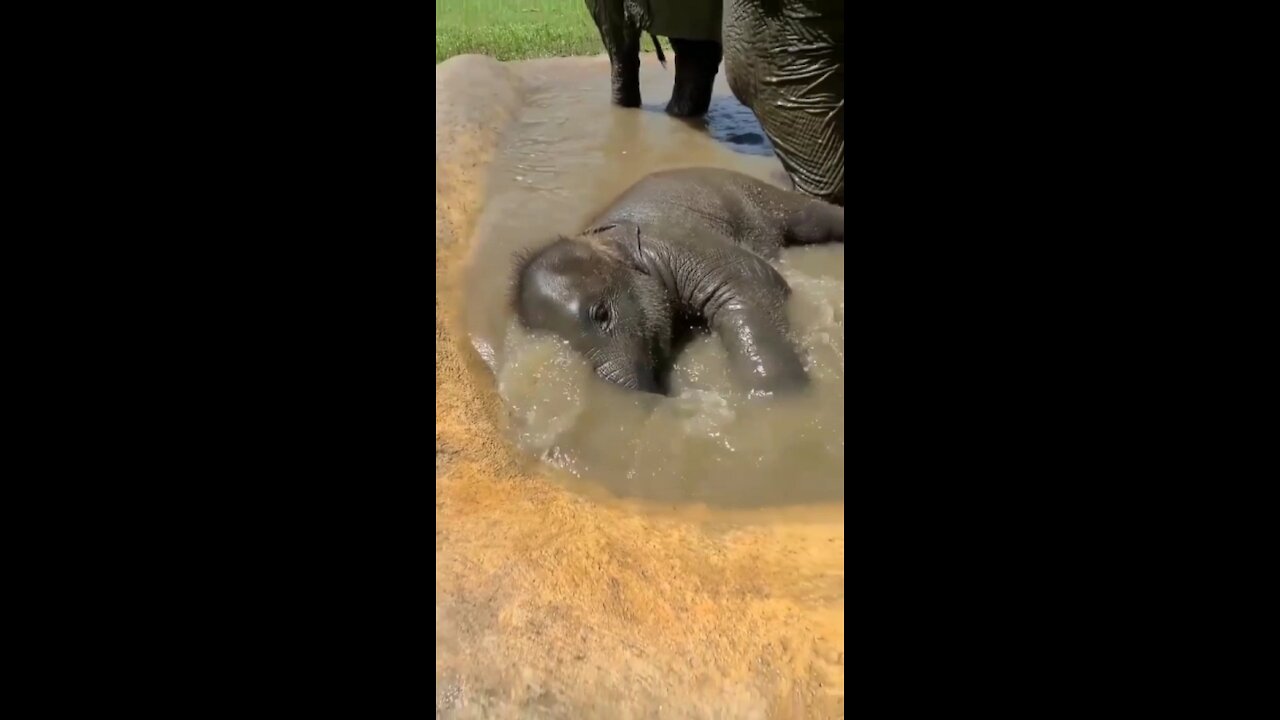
[(517, 29)]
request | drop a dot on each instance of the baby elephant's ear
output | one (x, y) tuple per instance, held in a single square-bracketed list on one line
[(635, 254), (599, 229), (620, 241)]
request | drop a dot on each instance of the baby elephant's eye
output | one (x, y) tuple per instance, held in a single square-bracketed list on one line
[(600, 313)]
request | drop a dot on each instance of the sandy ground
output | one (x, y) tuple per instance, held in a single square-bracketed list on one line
[(554, 603)]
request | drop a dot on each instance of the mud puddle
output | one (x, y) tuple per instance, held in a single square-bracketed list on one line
[(567, 155)]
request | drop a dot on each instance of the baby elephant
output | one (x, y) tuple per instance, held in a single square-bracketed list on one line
[(678, 249)]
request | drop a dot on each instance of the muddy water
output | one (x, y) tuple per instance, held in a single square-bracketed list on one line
[(565, 158)]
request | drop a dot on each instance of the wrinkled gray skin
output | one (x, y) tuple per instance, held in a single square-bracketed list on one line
[(784, 60), (679, 249)]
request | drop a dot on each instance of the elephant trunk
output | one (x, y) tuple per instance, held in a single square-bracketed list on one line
[(630, 373)]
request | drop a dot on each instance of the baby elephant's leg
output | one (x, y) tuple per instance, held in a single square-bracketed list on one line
[(815, 222), (761, 354), (747, 309)]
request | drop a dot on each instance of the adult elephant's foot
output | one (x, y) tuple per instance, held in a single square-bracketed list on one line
[(628, 97), (626, 81), (697, 62)]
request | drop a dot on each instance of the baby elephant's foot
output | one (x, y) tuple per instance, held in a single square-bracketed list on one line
[(817, 222)]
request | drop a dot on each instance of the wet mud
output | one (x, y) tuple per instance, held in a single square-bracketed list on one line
[(559, 594)]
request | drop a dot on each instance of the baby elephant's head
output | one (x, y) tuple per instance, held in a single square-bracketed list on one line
[(588, 291)]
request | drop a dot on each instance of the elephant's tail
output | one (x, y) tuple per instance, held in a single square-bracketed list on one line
[(662, 59)]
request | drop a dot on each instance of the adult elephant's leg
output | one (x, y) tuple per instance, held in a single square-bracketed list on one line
[(621, 39), (785, 61), (697, 62)]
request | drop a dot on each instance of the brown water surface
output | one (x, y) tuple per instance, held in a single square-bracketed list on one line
[(567, 156)]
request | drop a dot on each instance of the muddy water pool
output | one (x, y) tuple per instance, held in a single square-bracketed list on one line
[(566, 156)]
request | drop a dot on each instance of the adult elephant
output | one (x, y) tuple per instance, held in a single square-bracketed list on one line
[(693, 27), (784, 60)]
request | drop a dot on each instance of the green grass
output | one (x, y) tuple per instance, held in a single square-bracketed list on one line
[(517, 29)]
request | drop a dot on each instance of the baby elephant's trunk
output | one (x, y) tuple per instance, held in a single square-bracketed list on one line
[(630, 373)]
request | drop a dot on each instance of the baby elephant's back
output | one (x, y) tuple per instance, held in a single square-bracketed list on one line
[(689, 201)]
